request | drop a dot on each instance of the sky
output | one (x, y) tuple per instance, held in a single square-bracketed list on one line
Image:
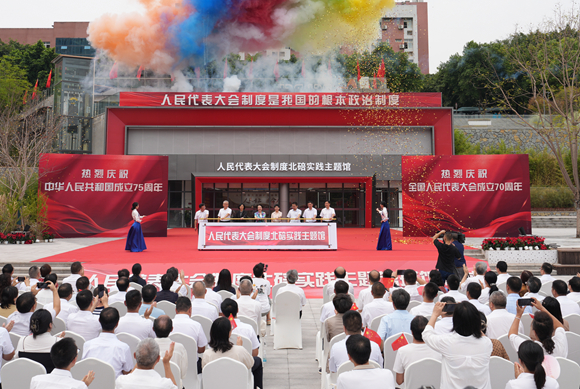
[(452, 23)]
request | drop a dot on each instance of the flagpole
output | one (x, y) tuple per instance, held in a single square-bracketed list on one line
[(94, 71)]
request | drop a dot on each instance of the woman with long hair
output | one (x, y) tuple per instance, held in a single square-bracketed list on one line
[(529, 372), (384, 242), (490, 279), (8, 301), (135, 240), (553, 306), (525, 276), (224, 282)]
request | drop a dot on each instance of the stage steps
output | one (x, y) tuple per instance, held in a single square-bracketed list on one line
[(61, 269), (553, 221)]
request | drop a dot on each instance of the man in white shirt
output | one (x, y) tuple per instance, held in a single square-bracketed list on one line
[(412, 283), (445, 325), (473, 293), (328, 308), (247, 306), (364, 375), (122, 286), (107, 348), (502, 274), (291, 278), (163, 327), (177, 287), (365, 296), (63, 354), (574, 287), (430, 291), (230, 308), (534, 286), (211, 296), (145, 376), (132, 323), (499, 320), (546, 273), (66, 308), (378, 307), (225, 213), (480, 269), (148, 294), (327, 214), (294, 213), (453, 284), (201, 216), (33, 276), (415, 351), (25, 307), (199, 306), (77, 271), (310, 213), (84, 322), (45, 296), (567, 305), (183, 324), (339, 274), (352, 323)]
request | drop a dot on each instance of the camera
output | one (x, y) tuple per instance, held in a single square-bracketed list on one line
[(458, 236)]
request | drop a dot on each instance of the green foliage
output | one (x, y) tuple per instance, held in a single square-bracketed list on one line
[(31, 210), (542, 197), (463, 146), (13, 84), (35, 60)]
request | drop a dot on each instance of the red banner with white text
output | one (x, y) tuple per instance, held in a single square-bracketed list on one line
[(478, 195), (91, 195)]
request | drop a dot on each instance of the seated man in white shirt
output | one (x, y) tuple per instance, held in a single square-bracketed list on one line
[(445, 325), (534, 286), (415, 351), (148, 293), (84, 322), (122, 287), (430, 291), (33, 276), (63, 354), (65, 293), (82, 283), (107, 348), (502, 274), (567, 305), (77, 270), (480, 269), (145, 376), (177, 287), (230, 307), (453, 284), (574, 287), (25, 307), (499, 320), (211, 296), (339, 274), (365, 296), (352, 323), (378, 307), (291, 278), (412, 283), (546, 273), (132, 323), (45, 295), (247, 306), (163, 326), (473, 293), (199, 305), (327, 310), (364, 375), (183, 324)]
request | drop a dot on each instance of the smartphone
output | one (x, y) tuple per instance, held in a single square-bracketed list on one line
[(449, 307), (101, 289), (42, 285), (266, 267), (525, 302), (21, 279), (400, 272)]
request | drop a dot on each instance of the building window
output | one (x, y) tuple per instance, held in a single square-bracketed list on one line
[(404, 24), (46, 44), (398, 40), (409, 32)]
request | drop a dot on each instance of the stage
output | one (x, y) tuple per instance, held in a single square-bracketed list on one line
[(356, 252)]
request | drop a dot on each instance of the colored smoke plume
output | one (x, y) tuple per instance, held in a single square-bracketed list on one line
[(174, 34)]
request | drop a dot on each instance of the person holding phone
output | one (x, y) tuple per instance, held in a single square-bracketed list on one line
[(135, 240), (384, 242)]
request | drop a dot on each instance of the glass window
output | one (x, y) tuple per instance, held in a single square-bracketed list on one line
[(235, 185), (207, 185), (334, 185)]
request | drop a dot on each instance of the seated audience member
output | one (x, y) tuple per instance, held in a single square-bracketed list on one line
[(498, 348), (45, 270), (65, 293), (546, 273), (132, 323), (398, 321), (546, 330), (342, 304), (122, 287), (166, 294), (453, 284), (45, 296), (163, 326), (33, 276), (447, 253), (149, 293), (529, 371), (183, 324), (264, 289), (221, 347), (144, 375), (480, 268), (107, 348), (123, 273), (445, 325), (499, 321), (574, 287), (247, 306), (82, 283), (525, 276), (560, 291), (199, 305), (513, 287), (8, 301), (466, 352), (36, 346), (77, 271), (553, 306), (100, 305), (225, 282), (328, 308), (291, 278), (490, 284), (436, 278), (211, 296), (430, 291), (230, 307), (473, 294), (388, 273), (136, 277), (365, 296), (7, 350), (352, 323), (25, 307), (411, 284), (534, 286), (63, 355), (84, 322), (363, 375), (339, 274), (378, 306), (502, 274), (177, 287), (415, 351)]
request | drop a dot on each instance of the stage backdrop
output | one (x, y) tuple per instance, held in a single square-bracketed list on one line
[(479, 195), (91, 195)]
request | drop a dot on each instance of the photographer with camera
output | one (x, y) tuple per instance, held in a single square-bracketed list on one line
[(458, 240), (448, 253)]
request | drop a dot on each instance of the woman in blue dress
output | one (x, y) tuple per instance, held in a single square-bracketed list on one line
[(135, 240), (385, 234)]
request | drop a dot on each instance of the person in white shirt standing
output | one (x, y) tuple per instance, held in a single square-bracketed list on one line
[(291, 278), (66, 308), (132, 323), (546, 273), (499, 320), (473, 294), (247, 306), (163, 326), (567, 305), (294, 213), (327, 214), (378, 307), (77, 271), (502, 274), (453, 284), (84, 322), (310, 213), (363, 375), (199, 306), (211, 296), (365, 296), (529, 372), (201, 216), (225, 213), (574, 287), (264, 288), (430, 291)]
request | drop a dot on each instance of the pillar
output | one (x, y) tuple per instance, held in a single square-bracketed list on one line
[(284, 206)]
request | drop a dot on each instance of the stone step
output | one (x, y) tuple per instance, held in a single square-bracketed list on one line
[(553, 221), (61, 269)]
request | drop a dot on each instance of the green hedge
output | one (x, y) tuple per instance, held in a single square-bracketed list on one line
[(542, 197)]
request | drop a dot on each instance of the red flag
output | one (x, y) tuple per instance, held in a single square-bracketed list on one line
[(232, 321), (381, 72), (34, 90), (400, 342), (24, 99), (114, 71), (303, 70), (48, 80), (354, 307), (276, 71), (357, 70), (388, 282), (139, 72), (373, 336), (226, 69)]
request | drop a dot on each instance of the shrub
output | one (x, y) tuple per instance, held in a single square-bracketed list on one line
[(543, 197)]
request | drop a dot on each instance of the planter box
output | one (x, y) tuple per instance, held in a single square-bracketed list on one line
[(521, 256)]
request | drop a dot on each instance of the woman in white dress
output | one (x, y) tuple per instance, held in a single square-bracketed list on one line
[(135, 240)]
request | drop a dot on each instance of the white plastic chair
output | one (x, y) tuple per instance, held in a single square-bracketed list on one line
[(502, 287), (424, 372), (112, 292), (250, 321), (505, 341), (191, 380), (129, 339), (574, 322), (3, 320), (175, 370), (121, 307), (238, 375), (325, 296), (287, 326), (39, 306), (14, 338), (18, 373), (321, 343), (501, 371), (225, 294), (547, 288), (136, 286), (389, 354), (167, 307), (573, 347), (205, 324), (412, 305), (376, 322), (275, 289), (246, 343), (58, 326), (104, 373), (325, 355), (79, 340), (527, 323), (569, 374)]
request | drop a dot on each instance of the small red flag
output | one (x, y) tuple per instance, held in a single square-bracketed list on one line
[(381, 72), (532, 316), (139, 72), (48, 80), (34, 90), (373, 336), (276, 71), (400, 342), (226, 69), (114, 71), (354, 307), (357, 70), (388, 282), (232, 322), (24, 99)]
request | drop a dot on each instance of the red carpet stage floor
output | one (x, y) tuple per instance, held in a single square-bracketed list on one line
[(356, 252)]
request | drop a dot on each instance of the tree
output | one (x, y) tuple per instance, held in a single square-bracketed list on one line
[(13, 84), (35, 60)]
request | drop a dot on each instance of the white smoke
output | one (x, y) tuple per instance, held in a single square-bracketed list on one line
[(232, 84)]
